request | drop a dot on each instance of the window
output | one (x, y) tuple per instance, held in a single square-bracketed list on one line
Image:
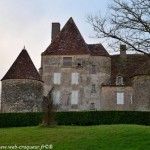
[(67, 61), (93, 88), (57, 78), (119, 80), (74, 97), (56, 97), (92, 106), (79, 62), (131, 99), (74, 78), (120, 98), (93, 69)]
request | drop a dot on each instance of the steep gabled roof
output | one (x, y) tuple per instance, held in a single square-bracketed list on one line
[(22, 68), (98, 50), (69, 41)]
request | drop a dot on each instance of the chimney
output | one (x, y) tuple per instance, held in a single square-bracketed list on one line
[(123, 51), (55, 30)]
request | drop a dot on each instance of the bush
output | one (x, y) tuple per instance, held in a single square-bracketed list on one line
[(20, 119), (77, 118), (103, 117)]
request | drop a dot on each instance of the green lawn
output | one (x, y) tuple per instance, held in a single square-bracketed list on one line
[(106, 137)]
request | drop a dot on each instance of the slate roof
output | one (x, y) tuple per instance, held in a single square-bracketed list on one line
[(22, 68), (69, 41), (98, 50), (127, 69), (143, 70)]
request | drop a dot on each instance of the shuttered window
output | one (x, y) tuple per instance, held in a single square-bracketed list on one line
[(120, 98), (56, 97), (74, 97), (75, 77), (67, 61), (57, 78)]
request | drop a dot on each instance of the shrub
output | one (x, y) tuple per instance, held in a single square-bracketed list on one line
[(77, 118), (103, 117), (20, 119)]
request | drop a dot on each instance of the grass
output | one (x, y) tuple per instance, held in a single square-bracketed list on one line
[(106, 137)]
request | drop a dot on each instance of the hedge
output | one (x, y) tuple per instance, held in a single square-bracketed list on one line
[(77, 118), (20, 119), (103, 117)]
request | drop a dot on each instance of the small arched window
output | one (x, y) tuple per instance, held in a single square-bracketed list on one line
[(119, 80)]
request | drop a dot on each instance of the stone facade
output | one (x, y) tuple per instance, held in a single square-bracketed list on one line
[(21, 95), (86, 78), (141, 93), (109, 98), (83, 77)]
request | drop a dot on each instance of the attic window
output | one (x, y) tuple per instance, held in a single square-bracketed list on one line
[(119, 80), (67, 61)]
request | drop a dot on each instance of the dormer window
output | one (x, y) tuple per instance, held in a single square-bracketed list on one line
[(119, 80)]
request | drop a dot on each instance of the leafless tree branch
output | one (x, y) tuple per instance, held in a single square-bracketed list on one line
[(127, 22)]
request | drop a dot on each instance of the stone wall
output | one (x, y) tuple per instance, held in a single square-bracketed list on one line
[(109, 98), (21, 95), (86, 98), (141, 94)]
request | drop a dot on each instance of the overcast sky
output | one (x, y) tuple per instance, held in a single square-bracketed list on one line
[(28, 22)]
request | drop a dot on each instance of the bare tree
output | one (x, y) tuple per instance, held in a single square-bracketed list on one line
[(48, 108), (127, 22)]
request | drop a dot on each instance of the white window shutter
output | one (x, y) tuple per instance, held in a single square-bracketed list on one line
[(120, 98), (74, 97), (75, 77), (57, 78), (56, 97)]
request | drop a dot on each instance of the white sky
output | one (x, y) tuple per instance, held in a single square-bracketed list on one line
[(28, 22)]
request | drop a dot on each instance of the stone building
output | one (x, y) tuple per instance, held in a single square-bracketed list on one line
[(83, 76), (22, 87), (75, 69)]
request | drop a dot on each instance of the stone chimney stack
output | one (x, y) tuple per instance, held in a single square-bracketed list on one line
[(123, 51), (55, 30)]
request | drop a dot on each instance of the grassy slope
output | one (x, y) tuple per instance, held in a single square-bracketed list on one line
[(113, 137)]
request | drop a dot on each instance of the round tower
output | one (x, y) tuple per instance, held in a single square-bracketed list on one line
[(22, 87), (141, 88)]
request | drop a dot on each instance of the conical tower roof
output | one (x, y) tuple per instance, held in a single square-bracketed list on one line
[(22, 68), (69, 41)]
